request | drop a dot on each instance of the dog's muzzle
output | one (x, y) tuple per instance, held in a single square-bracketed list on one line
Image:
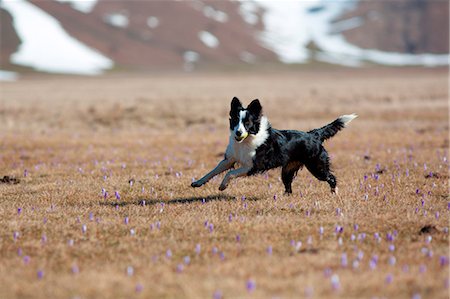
[(240, 138)]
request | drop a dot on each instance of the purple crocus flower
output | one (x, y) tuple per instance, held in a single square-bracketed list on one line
[(26, 259), (198, 249), (138, 288), (389, 278), (443, 260), (75, 269), (344, 261), (392, 260), (19, 211), (269, 250), (130, 271), (217, 295), (187, 260), (180, 268), (16, 235), (40, 274), (251, 285), (127, 220), (335, 284), (116, 193), (238, 238), (84, 228), (211, 227), (169, 253)]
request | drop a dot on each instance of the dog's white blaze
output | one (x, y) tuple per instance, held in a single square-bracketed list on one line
[(243, 152), (240, 126), (346, 119)]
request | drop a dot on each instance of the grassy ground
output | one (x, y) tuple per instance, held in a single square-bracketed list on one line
[(147, 137)]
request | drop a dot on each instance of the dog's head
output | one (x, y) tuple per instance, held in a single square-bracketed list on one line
[(244, 121)]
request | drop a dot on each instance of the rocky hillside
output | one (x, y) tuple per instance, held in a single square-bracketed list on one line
[(134, 35), (405, 26)]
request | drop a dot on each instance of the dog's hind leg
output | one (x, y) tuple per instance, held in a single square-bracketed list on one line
[(320, 168), (288, 172)]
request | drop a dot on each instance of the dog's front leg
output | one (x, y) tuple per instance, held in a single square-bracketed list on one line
[(223, 165), (243, 171)]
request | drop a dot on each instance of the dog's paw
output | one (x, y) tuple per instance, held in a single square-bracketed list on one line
[(196, 184), (222, 187)]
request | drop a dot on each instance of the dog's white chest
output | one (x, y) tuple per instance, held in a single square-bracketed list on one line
[(242, 153)]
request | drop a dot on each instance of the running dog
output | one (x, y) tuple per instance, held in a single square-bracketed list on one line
[(257, 147)]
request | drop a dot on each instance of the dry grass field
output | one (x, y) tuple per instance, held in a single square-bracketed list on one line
[(98, 203)]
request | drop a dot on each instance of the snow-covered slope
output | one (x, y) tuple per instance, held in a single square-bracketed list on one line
[(292, 25), (67, 36), (47, 47)]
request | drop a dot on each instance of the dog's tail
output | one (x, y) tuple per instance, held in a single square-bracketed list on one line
[(331, 129)]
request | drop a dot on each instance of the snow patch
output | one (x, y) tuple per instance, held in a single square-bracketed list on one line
[(8, 76), (291, 25), (249, 10), (152, 22), (215, 14), (119, 20), (247, 57), (85, 6), (47, 47), (208, 39)]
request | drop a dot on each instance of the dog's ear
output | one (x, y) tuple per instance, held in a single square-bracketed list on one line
[(255, 108), (236, 105)]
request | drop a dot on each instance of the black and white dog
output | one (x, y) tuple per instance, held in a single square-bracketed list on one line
[(258, 147)]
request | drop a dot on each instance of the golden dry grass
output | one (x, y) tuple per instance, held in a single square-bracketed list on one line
[(75, 136)]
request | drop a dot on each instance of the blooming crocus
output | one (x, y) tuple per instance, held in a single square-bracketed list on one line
[(138, 288), (169, 253), (132, 232), (16, 235), (75, 269), (180, 268), (391, 247), (251, 285), (19, 251), (40, 274), (321, 230), (19, 210), (443, 260), (126, 220), (25, 173), (327, 272), (389, 278), (298, 245), (269, 250), (116, 193), (392, 260), (422, 268), (214, 250), (91, 216), (211, 227), (217, 295), (26, 259), (198, 249), (130, 271), (335, 284), (344, 261), (84, 228), (187, 260)]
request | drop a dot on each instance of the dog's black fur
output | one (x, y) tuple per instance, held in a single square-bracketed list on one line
[(288, 149)]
